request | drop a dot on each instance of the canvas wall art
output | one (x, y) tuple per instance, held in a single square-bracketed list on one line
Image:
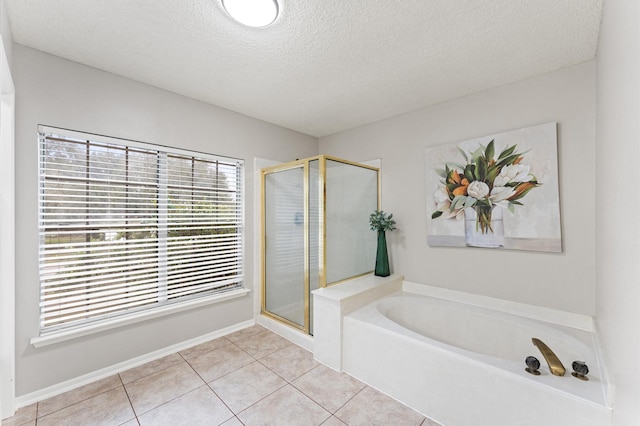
[(498, 191)]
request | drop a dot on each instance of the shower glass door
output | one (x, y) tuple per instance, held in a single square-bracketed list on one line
[(351, 196), (285, 266), (315, 232)]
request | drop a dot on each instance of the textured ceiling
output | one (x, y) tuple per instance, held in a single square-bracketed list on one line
[(325, 65)]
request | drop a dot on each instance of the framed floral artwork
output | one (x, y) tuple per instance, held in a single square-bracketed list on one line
[(497, 191)]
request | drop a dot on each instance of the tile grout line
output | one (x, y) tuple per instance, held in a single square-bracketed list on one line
[(284, 378), (255, 360), (135, 415), (264, 397), (172, 399), (77, 402), (349, 400), (332, 414), (208, 384), (258, 360), (153, 372), (184, 359)]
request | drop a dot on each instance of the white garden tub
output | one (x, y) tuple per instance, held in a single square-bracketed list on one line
[(461, 364)]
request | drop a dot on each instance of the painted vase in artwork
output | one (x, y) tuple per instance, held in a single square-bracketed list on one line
[(483, 226)]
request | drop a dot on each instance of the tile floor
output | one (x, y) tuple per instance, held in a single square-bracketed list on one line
[(250, 377)]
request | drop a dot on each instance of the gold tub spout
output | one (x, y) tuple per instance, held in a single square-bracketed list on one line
[(556, 367)]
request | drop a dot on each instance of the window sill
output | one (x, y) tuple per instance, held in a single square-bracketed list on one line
[(62, 336)]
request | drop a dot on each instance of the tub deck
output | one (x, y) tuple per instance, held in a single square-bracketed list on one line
[(458, 386), (459, 358)]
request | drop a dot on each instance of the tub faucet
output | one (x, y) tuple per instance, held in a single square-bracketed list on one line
[(556, 367)]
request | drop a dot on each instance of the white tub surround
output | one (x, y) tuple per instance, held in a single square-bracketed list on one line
[(463, 363), (331, 304)]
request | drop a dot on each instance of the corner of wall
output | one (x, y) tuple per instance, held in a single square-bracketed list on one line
[(617, 229), (5, 31)]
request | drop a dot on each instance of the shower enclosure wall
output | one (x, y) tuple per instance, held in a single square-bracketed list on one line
[(315, 232)]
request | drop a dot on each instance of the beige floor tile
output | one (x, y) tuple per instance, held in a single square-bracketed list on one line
[(150, 368), (205, 347), (290, 362), (262, 344), (132, 422), (23, 415), (198, 407), (334, 421), (286, 406), (219, 362), (28, 423), (154, 390), (371, 407), (244, 333), (428, 422), (246, 386), (79, 394), (328, 387), (108, 408), (232, 422)]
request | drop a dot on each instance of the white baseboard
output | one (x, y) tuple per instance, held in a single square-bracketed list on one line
[(294, 336), (57, 389)]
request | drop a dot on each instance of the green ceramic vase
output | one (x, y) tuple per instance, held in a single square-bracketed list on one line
[(382, 256)]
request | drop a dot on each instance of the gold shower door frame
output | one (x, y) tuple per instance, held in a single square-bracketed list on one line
[(322, 273)]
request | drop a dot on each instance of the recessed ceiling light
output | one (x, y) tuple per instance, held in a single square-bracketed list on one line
[(254, 13)]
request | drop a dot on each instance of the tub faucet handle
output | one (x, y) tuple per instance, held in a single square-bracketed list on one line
[(532, 365), (555, 366), (580, 370)]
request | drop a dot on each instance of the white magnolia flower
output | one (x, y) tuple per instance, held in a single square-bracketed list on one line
[(499, 195), (441, 197), (478, 189), (443, 203), (513, 173)]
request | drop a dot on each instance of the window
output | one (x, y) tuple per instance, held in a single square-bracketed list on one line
[(126, 227)]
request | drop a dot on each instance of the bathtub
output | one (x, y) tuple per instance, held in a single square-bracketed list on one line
[(462, 364)]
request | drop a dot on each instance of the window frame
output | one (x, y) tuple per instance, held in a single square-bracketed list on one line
[(75, 329)]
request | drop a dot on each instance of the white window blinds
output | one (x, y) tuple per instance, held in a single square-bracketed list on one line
[(126, 226)]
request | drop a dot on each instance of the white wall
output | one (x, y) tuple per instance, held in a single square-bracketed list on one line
[(7, 214), (618, 202), (56, 92), (562, 281), (5, 31)]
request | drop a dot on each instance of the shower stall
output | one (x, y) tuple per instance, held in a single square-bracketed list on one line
[(315, 232)]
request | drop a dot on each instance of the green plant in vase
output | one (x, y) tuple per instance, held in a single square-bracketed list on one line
[(381, 222)]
